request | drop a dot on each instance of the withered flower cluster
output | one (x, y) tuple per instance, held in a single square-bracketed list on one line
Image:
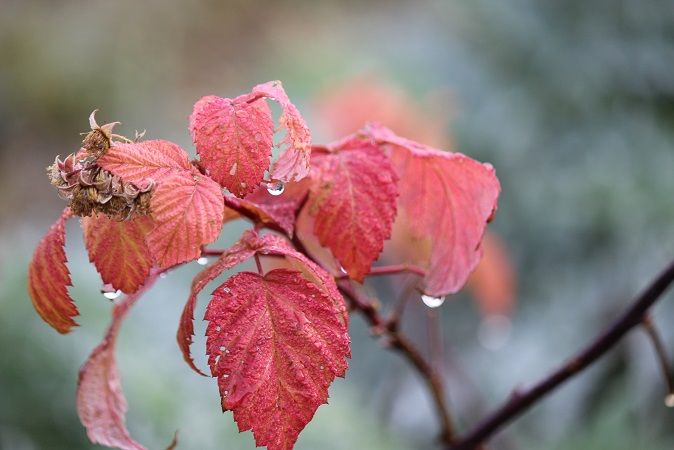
[(88, 188)]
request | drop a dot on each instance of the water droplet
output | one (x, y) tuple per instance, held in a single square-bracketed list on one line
[(342, 269), (226, 290), (669, 401), (232, 171), (218, 328), (275, 187), (494, 332), (223, 348), (432, 302), (110, 294), (226, 393), (202, 261), (225, 375), (162, 275)]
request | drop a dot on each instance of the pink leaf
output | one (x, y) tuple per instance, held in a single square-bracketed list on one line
[(118, 250), (234, 139), (276, 343), (233, 256), (138, 163), (100, 401), (188, 212), (353, 200), (49, 278), (293, 164), (447, 198)]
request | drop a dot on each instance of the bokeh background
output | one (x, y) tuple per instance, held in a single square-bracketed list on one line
[(571, 100)]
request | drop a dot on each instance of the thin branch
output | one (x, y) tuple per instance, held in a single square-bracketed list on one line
[(520, 401), (399, 342), (661, 355), (391, 270)]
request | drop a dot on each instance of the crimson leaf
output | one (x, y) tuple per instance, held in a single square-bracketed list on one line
[(118, 250), (49, 278), (234, 140), (353, 202), (275, 342)]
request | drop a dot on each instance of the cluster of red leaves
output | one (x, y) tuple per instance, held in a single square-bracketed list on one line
[(275, 340)]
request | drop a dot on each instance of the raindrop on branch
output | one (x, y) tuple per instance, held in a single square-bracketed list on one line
[(202, 261)]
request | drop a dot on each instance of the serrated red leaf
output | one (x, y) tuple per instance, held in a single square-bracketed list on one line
[(293, 163), (276, 212), (353, 200), (275, 343), (118, 250), (448, 198), (140, 162), (188, 212), (234, 139), (101, 404), (233, 256), (49, 278)]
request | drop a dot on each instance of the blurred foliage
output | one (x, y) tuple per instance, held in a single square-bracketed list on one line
[(571, 100)]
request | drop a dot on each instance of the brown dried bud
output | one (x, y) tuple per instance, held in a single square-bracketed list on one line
[(99, 139)]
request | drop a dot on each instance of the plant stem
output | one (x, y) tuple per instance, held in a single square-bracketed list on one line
[(520, 401), (399, 342), (391, 270)]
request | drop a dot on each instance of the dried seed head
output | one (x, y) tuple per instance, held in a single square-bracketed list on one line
[(90, 189)]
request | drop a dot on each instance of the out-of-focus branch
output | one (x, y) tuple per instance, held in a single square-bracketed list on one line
[(400, 343), (521, 400)]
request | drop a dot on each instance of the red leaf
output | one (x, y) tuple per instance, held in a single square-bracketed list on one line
[(100, 401), (49, 278), (275, 342), (448, 198), (187, 207), (234, 139), (276, 212), (293, 164), (118, 250), (233, 256), (249, 244), (353, 201), (188, 212), (138, 163), (277, 246)]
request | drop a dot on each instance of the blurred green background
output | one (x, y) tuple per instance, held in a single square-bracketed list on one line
[(571, 100)]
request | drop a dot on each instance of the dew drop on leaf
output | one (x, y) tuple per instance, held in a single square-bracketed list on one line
[(275, 187), (432, 302), (202, 261)]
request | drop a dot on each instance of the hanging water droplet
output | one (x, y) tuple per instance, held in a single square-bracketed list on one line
[(669, 401), (225, 375), (162, 275), (202, 261), (432, 302), (223, 348), (342, 269), (275, 187), (109, 293)]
